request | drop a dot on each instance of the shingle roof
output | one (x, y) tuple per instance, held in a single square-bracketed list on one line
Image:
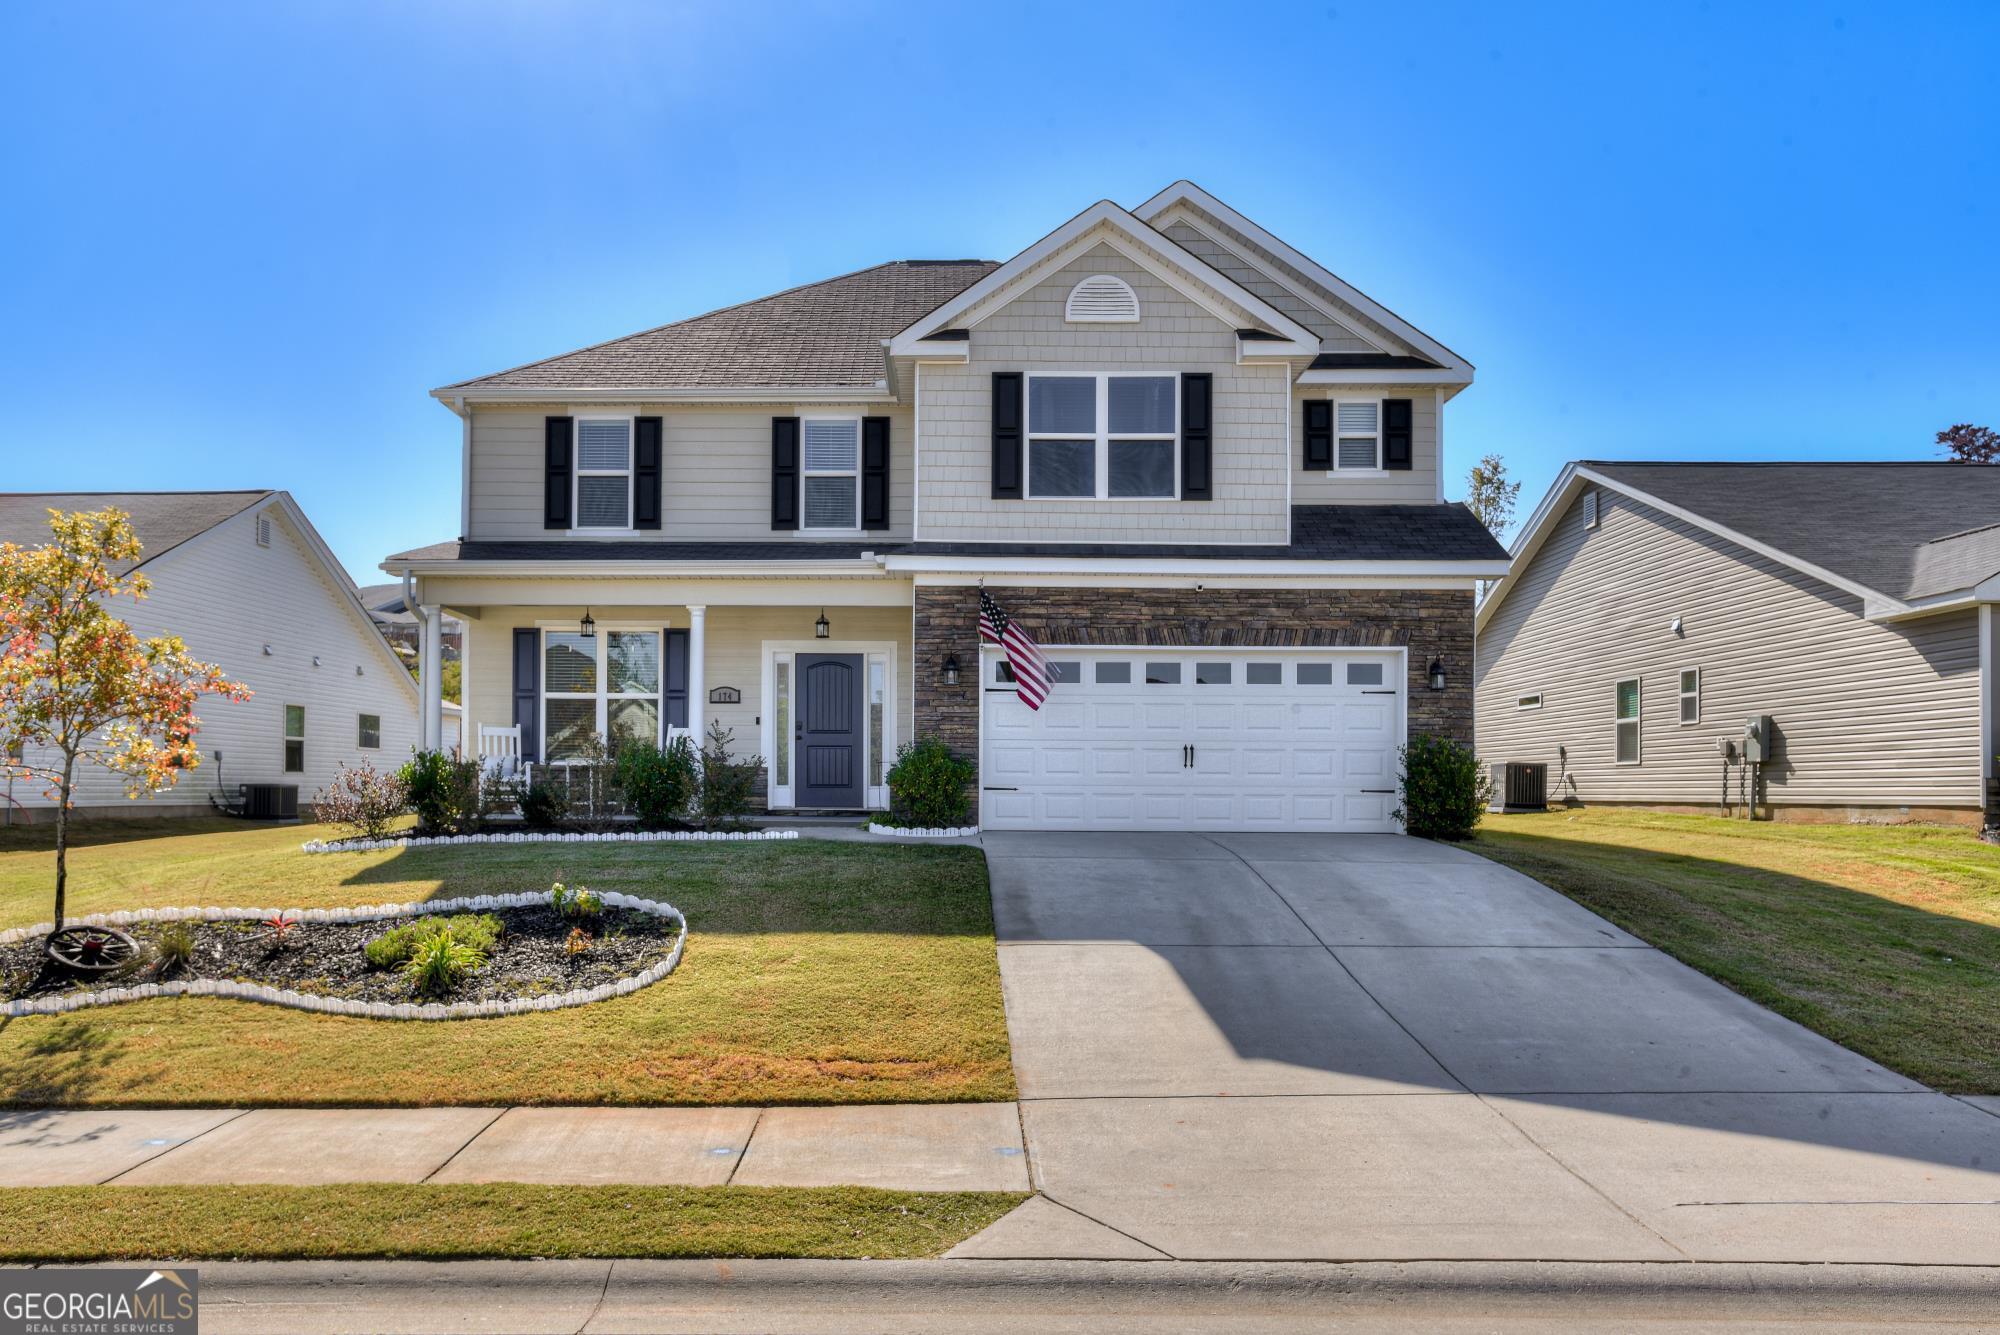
[(1906, 529), (823, 334), (1319, 533), (163, 519)]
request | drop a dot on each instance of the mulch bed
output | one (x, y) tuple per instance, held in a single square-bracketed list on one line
[(326, 959)]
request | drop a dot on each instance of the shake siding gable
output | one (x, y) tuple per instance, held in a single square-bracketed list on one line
[(715, 473), (228, 598), (1869, 714), (1173, 334)]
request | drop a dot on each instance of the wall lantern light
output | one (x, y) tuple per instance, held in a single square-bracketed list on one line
[(822, 628), (951, 670), (589, 627), (1437, 674)]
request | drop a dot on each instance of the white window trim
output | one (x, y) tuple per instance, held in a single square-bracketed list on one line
[(874, 654), (1338, 436), (603, 695), (854, 473), (1638, 715), (1102, 471), (578, 472), (285, 727), (1686, 695), (1530, 701)]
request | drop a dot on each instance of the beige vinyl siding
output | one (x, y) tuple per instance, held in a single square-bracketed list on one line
[(1334, 336), (227, 598), (1173, 335), (1418, 486), (735, 638), (1869, 714), (715, 482)]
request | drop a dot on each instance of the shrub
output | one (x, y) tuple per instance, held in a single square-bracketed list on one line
[(581, 902), (577, 943), (281, 929), (723, 794), (444, 791), (173, 949), (657, 784), (1444, 788), (364, 799), (440, 962), (927, 785), (544, 805), (394, 947)]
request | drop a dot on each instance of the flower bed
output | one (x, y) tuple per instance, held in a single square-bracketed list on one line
[(540, 837), (321, 965)]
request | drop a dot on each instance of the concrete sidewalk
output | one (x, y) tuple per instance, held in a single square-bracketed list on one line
[(912, 1147)]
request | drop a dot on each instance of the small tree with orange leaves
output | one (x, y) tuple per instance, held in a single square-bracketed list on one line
[(77, 686)]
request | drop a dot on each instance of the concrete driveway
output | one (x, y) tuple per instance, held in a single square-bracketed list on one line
[(1367, 1047)]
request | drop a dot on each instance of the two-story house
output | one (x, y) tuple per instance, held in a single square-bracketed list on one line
[(1201, 470)]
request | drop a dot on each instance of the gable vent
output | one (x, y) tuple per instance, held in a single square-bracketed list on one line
[(1101, 299), (263, 530)]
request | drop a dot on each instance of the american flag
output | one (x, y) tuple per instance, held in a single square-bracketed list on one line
[(1031, 669)]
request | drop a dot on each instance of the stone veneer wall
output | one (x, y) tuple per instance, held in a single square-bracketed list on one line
[(1433, 623)]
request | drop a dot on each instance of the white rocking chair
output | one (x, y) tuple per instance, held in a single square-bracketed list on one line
[(500, 755)]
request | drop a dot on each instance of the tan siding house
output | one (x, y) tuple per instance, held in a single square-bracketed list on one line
[(1879, 699)]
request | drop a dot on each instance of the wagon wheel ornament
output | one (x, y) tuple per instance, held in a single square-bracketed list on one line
[(92, 949)]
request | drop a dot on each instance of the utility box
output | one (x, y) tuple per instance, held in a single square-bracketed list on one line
[(1757, 739)]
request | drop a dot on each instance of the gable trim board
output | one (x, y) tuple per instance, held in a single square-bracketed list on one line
[(1876, 605), (1189, 192), (1105, 223)]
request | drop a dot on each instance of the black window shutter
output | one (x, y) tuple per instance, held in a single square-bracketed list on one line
[(677, 679), (1006, 435), (646, 472), (556, 435), (784, 472), (1319, 433), (528, 690), (1396, 450), (1197, 442), (874, 472)]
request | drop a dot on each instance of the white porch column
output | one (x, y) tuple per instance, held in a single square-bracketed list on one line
[(698, 673), (430, 672)]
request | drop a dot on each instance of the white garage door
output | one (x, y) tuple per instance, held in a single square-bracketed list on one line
[(1223, 739)]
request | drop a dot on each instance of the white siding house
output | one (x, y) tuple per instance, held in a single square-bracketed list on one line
[(245, 582)]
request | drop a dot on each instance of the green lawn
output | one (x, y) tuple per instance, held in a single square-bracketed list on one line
[(379, 1220), (1884, 938), (815, 972)]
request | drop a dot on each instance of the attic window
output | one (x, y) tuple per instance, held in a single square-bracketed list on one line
[(263, 530), (1101, 299)]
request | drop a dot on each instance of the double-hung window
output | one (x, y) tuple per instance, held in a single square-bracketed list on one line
[(604, 472), (1690, 696), (369, 733), (605, 685), (1357, 425), (832, 472), (1103, 436), (295, 739), (1627, 722)]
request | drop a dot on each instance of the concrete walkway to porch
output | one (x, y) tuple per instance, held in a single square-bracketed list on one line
[(911, 1147)]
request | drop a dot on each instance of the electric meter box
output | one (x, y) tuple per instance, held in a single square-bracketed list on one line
[(1756, 739)]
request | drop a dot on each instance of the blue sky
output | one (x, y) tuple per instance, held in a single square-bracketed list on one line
[(242, 241)]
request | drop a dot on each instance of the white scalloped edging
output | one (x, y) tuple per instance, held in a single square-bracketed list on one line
[(523, 837), (907, 832), (368, 1010)]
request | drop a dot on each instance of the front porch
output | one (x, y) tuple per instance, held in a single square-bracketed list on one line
[(825, 712)]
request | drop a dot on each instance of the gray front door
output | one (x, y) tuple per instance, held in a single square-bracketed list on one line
[(830, 737)]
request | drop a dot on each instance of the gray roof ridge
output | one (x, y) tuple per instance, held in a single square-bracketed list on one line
[(1962, 533), (1771, 463), (690, 319), (175, 491)]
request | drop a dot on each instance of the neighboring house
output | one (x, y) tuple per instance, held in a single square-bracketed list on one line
[(1655, 607), (1200, 469), (398, 623), (245, 582)]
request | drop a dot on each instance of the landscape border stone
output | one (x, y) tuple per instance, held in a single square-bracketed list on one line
[(911, 832), (369, 1010)]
